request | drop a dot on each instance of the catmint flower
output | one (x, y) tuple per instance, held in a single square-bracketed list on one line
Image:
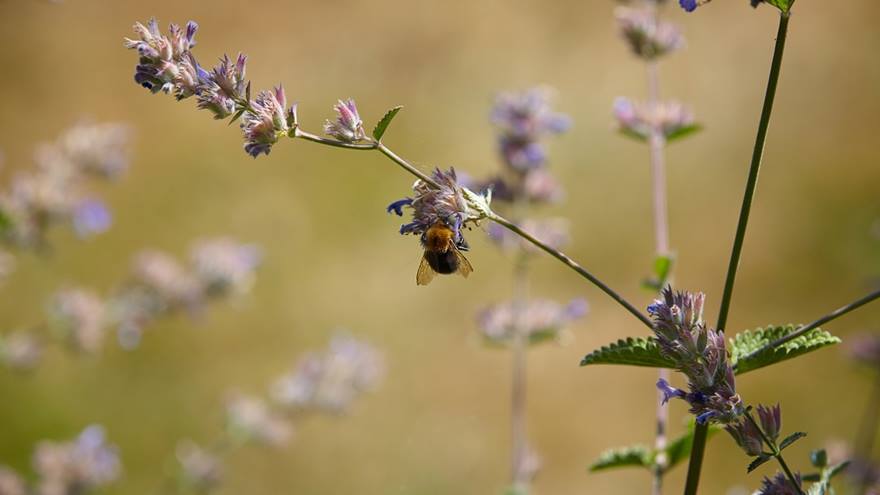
[(80, 316), (348, 126), (20, 350), (201, 469), (251, 418), (224, 265), (98, 149), (779, 485), (452, 204), (173, 284), (523, 119), (221, 92), (641, 119), (747, 436), (691, 5), (91, 217), (771, 420), (538, 186), (330, 381), (265, 121), (554, 232), (865, 348), (11, 483), (648, 36), (699, 352), (539, 319), (77, 466), (166, 63)]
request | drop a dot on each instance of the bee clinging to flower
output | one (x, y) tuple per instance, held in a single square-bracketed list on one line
[(440, 212)]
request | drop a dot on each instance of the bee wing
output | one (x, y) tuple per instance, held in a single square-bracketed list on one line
[(464, 266), (425, 273)]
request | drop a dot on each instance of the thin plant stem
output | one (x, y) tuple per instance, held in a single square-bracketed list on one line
[(867, 432), (519, 378), (810, 326), (776, 452), (700, 432)]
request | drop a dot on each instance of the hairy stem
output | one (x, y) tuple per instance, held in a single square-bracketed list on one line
[(699, 445), (821, 321)]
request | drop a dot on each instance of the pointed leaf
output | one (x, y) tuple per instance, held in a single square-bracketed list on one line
[(633, 135), (637, 455), (237, 115), (683, 132), (382, 126), (632, 352), (794, 437), (761, 459), (837, 468), (751, 340)]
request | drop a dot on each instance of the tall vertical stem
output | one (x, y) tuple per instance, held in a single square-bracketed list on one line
[(700, 432), (867, 433), (520, 478)]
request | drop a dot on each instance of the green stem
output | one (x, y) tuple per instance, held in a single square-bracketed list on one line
[(699, 445), (559, 255), (821, 321)]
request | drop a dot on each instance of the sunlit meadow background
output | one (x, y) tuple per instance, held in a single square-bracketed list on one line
[(439, 422)]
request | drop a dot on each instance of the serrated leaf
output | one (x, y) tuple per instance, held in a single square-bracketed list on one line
[(761, 459), (384, 122), (683, 132), (632, 352), (746, 342), (636, 455), (794, 437)]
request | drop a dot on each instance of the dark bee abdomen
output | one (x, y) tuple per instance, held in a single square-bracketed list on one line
[(444, 263)]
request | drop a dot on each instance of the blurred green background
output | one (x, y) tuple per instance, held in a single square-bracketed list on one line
[(439, 422)]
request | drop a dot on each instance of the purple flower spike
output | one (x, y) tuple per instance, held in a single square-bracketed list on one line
[(771, 420), (265, 122), (746, 436)]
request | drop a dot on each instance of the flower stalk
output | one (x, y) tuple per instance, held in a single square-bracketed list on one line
[(701, 431)]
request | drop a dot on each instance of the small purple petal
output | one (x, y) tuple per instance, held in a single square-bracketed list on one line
[(91, 217), (397, 206), (669, 391), (688, 5)]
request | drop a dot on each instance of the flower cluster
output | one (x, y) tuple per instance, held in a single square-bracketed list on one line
[(200, 469), (167, 64), (348, 126), (20, 350), (331, 380), (523, 119), (647, 36), (699, 352), (779, 484), (55, 190), (746, 434), (80, 316), (538, 319), (642, 119), (77, 466), (159, 284), (865, 349), (451, 204), (252, 418)]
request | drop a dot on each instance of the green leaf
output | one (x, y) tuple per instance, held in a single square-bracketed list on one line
[(636, 455), (761, 459), (643, 138), (783, 5), (632, 352), (237, 115), (662, 267), (794, 437), (382, 126), (683, 132), (837, 468), (749, 341)]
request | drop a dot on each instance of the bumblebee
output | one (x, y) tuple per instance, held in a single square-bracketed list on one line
[(442, 254)]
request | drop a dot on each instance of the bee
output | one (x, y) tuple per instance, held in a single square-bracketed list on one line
[(442, 254)]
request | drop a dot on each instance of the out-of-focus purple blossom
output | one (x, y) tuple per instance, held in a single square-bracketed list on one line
[(452, 204), (648, 37), (251, 418), (91, 217), (224, 265), (224, 89), (348, 126), (11, 483), (170, 281), (201, 470), (539, 320), (779, 484), (641, 119), (523, 119), (77, 466), (691, 5), (81, 317), (747, 436), (537, 186), (98, 149), (330, 381), (166, 63), (20, 350), (699, 352), (865, 348), (553, 232), (265, 121)]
